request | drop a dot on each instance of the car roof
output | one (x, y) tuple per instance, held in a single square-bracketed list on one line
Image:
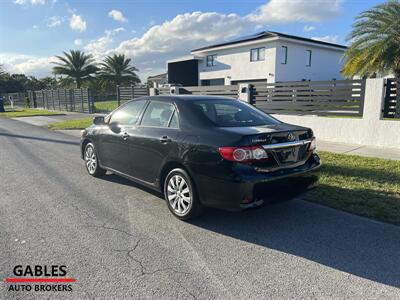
[(189, 97)]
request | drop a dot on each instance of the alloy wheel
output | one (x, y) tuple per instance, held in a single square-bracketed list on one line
[(90, 159), (179, 195)]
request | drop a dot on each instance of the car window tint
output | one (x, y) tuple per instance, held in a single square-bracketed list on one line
[(157, 114), (128, 114), (174, 121), (233, 113)]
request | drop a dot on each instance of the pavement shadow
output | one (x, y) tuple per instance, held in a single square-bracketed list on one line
[(121, 180), (338, 240)]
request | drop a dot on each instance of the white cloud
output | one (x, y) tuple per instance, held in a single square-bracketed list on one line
[(117, 15), (26, 2), (35, 27), (77, 42), (77, 23), (283, 11), (102, 46), (54, 21), (26, 64), (183, 33), (327, 38), (308, 28)]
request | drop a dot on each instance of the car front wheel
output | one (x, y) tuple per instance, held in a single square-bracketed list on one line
[(181, 195), (91, 161)]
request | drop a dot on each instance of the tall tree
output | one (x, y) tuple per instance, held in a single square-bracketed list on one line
[(375, 42), (117, 69), (76, 65)]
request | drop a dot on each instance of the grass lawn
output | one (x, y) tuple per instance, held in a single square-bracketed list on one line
[(365, 186), (28, 112), (105, 106), (72, 124)]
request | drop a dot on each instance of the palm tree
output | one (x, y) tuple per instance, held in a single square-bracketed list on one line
[(375, 42), (117, 69), (76, 65)]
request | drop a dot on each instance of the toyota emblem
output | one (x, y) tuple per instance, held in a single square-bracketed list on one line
[(291, 137)]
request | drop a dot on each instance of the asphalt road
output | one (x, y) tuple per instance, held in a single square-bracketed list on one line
[(119, 241)]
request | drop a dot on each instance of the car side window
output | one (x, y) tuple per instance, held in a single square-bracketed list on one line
[(128, 114), (157, 114)]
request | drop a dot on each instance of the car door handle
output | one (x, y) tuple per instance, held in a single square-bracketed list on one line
[(165, 139), (125, 135)]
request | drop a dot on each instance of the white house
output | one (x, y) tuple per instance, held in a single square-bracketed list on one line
[(267, 56)]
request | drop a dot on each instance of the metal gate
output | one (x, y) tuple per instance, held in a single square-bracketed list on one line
[(392, 98)]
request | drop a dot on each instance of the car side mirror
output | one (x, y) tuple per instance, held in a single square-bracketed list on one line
[(99, 120)]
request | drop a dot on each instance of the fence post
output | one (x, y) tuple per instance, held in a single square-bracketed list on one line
[(362, 98), (90, 101), (133, 91), (53, 99), (374, 90), (58, 98), (82, 107), (72, 100), (44, 99), (244, 92), (118, 96), (153, 92)]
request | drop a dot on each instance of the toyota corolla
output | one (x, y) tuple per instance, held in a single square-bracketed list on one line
[(201, 151)]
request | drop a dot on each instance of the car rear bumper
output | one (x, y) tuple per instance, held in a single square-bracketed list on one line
[(248, 188)]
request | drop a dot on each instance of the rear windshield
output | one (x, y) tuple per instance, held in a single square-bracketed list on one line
[(233, 113)]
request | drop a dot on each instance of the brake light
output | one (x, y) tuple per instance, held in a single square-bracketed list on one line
[(243, 154), (313, 144)]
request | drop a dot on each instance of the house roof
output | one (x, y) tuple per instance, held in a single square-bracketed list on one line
[(159, 76), (183, 58), (268, 34)]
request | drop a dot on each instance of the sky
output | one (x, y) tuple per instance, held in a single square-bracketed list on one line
[(33, 32)]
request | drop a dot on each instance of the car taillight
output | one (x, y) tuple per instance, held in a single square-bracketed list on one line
[(313, 144), (243, 154)]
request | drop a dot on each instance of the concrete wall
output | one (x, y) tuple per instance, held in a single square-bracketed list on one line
[(370, 130), (325, 63)]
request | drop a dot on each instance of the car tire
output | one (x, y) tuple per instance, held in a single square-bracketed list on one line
[(181, 195), (92, 162)]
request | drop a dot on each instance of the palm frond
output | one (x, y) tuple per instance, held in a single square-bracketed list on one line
[(375, 41)]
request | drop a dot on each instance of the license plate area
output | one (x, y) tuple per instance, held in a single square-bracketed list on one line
[(287, 155)]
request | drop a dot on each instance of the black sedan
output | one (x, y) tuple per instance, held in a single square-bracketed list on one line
[(201, 151)]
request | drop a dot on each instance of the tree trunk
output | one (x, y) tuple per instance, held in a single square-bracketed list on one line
[(397, 74), (397, 71)]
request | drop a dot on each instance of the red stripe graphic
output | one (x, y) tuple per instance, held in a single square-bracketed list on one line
[(33, 279)]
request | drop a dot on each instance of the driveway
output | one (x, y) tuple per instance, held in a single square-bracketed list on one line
[(119, 240)]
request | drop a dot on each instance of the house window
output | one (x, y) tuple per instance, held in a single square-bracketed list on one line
[(257, 54), (284, 55), (309, 54), (211, 60)]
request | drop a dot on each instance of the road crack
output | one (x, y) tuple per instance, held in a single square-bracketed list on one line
[(104, 226), (143, 270)]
